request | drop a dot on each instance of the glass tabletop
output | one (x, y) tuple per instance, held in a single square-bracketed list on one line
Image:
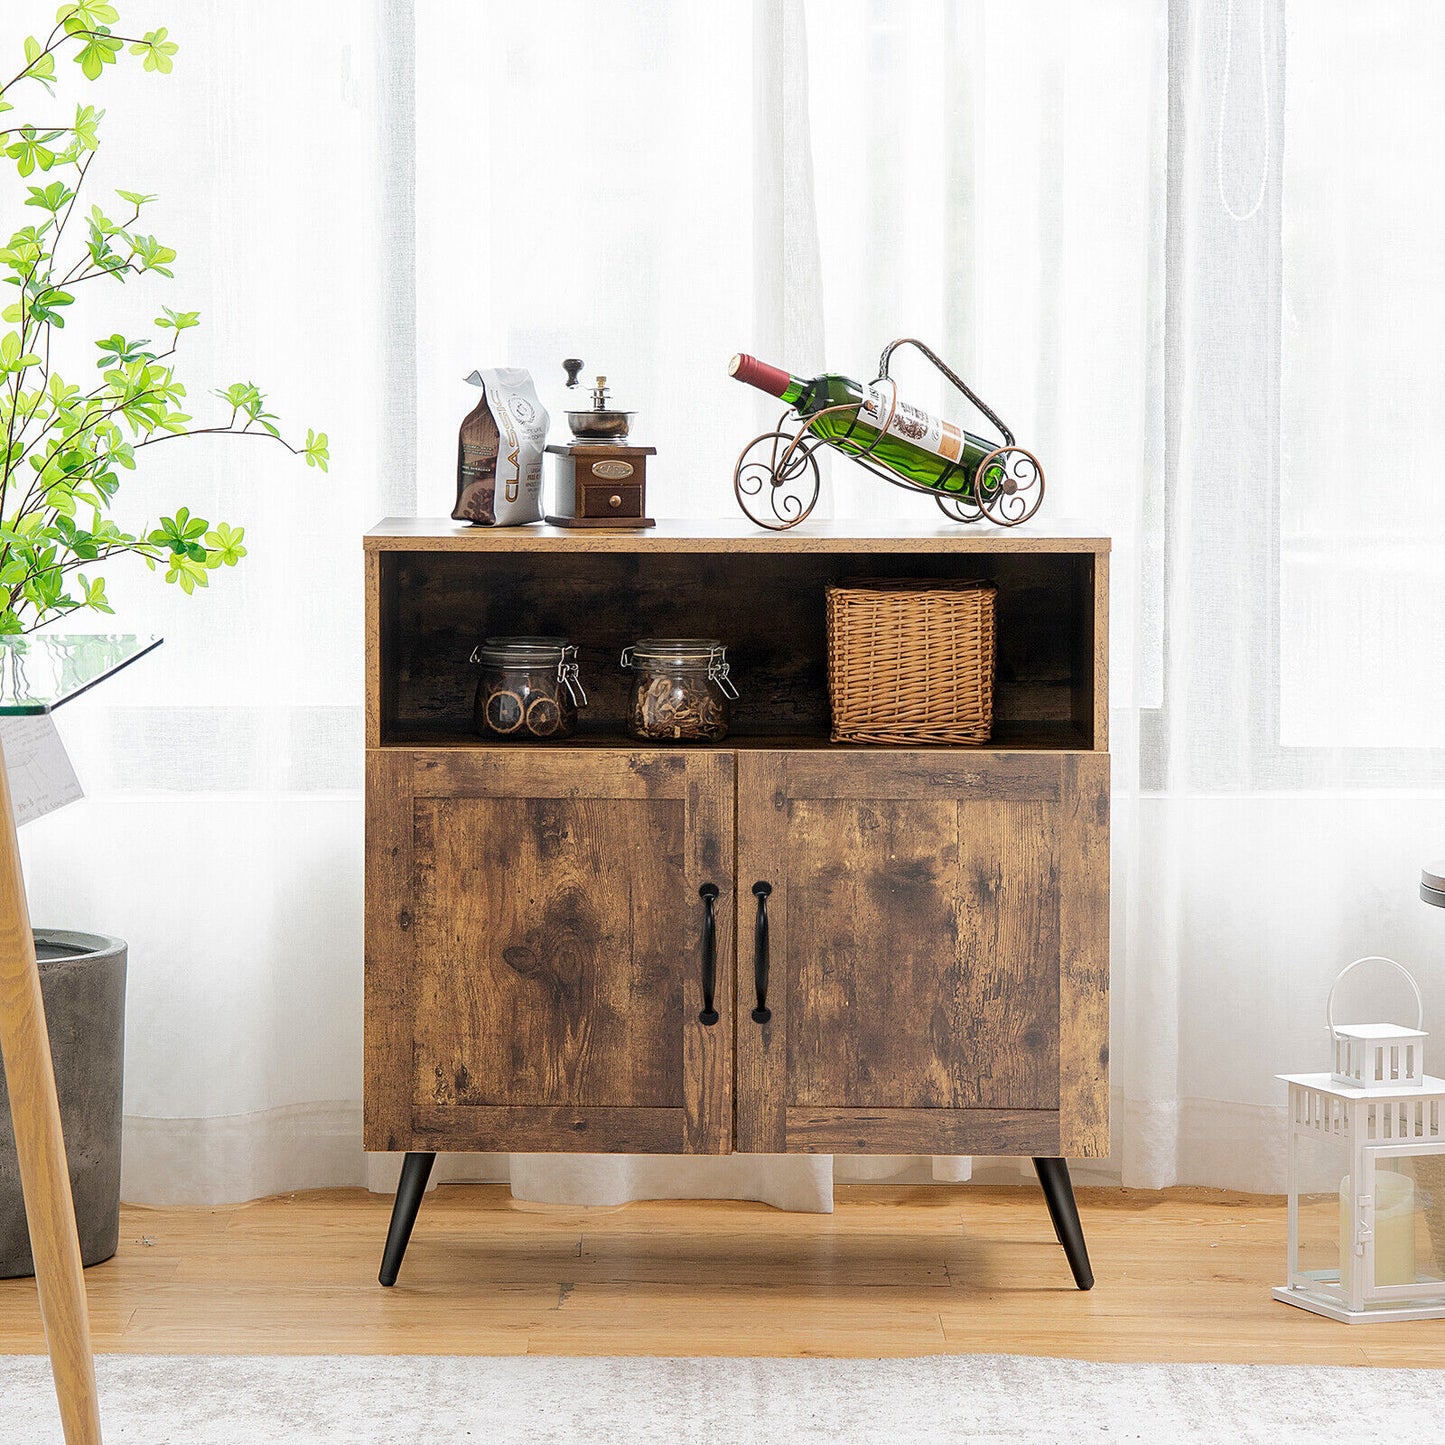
[(45, 669)]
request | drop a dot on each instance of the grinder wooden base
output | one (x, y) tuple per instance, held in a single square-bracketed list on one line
[(599, 484), (610, 523)]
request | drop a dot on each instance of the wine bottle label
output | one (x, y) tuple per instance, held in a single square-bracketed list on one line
[(910, 424)]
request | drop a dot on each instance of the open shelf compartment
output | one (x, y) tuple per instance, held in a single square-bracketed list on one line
[(433, 605)]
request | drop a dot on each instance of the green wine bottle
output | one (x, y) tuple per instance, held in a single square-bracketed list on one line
[(926, 450)]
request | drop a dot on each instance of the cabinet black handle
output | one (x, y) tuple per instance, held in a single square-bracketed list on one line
[(708, 894), (762, 1014)]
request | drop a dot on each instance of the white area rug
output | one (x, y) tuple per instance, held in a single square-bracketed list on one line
[(981, 1399)]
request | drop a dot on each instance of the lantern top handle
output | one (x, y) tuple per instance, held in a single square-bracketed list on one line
[(1375, 958)]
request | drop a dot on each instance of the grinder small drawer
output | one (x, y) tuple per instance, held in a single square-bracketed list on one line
[(609, 499)]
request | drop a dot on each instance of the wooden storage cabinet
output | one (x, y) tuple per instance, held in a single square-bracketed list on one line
[(906, 948)]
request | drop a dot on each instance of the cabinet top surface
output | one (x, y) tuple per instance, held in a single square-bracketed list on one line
[(434, 534)]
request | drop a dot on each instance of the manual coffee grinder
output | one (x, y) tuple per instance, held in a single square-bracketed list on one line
[(598, 480)]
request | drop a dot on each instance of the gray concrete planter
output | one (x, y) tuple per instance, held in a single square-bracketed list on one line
[(82, 980)]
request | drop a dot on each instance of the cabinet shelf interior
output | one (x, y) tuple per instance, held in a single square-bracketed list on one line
[(769, 609)]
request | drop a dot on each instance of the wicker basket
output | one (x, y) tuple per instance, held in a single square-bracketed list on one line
[(911, 660)]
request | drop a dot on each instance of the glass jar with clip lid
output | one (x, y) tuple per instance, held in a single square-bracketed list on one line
[(529, 688), (681, 691)]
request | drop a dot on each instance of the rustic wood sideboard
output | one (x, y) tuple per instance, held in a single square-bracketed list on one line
[(769, 944)]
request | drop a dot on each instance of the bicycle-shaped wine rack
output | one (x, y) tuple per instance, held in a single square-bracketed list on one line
[(780, 467)]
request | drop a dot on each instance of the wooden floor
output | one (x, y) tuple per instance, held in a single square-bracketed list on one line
[(1182, 1275)]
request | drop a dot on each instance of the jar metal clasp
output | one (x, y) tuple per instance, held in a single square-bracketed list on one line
[(567, 675), (717, 671)]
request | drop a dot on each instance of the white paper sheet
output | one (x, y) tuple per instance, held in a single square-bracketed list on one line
[(41, 777)]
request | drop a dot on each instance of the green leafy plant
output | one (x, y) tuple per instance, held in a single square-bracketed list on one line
[(67, 445)]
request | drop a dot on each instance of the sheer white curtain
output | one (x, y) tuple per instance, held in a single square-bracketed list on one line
[(1183, 248), (221, 834), (1289, 735)]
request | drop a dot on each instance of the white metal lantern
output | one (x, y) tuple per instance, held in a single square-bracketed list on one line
[(1366, 1175)]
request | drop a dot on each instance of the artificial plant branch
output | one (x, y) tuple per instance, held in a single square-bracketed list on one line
[(72, 438)]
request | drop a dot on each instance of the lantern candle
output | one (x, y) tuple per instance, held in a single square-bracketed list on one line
[(1394, 1229)]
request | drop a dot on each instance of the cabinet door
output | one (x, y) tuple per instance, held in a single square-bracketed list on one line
[(535, 950), (936, 952)]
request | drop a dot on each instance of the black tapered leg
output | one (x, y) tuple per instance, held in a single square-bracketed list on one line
[(415, 1171), (1059, 1196)]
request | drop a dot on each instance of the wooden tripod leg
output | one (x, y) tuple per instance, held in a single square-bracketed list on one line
[(44, 1177)]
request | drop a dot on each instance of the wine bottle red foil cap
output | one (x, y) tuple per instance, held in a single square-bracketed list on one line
[(759, 373)]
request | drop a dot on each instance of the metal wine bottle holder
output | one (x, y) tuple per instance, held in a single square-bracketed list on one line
[(778, 474)]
